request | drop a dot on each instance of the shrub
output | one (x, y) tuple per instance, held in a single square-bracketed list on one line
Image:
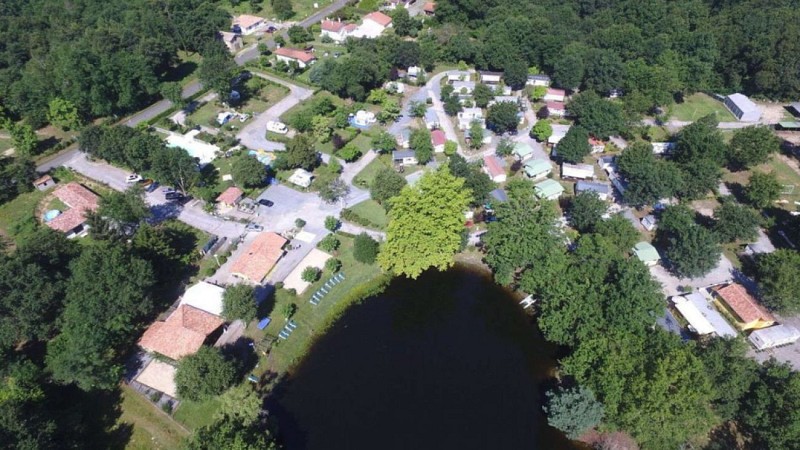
[(365, 249), (299, 223), (310, 274), (288, 310), (333, 265), (329, 243), (332, 223)]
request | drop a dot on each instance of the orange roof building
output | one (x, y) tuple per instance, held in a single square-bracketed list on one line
[(379, 18), (80, 200), (231, 196), (429, 8), (294, 54), (182, 334), (259, 257), (749, 313)]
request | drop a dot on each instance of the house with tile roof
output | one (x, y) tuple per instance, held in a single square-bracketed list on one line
[(301, 57), (230, 198), (494, 168), (182, 333), (80, 201), (260, 256), (748, 313)]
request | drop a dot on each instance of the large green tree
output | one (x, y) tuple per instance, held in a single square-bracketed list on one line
[(204, 374), (763, 189), (107, 296), (502, 117), (217, 68), (573, 410), (770, 412), (173, 166), (735, 221), (475, 179), (300, 153), (248, 171), (778, 279), (124, 207), (239, 302), (425, 224), (752, 146), (693, 251), (585, 211), (574, 146), (598, 116), (232, 433), (387, 184), (420, 141)]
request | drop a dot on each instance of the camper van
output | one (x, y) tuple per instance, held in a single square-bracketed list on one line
[(277, 127)]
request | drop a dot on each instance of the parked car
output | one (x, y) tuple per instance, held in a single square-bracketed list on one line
[(173, 196), (265, 202), (133, 178), (167, 190), (253, 227), (153, 186), (146, 183)]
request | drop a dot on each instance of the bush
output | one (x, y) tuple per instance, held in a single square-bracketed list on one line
[(332, 223), (350, 216), (299, 223), (333, 265), (204, 374), (329, 243), (167, 407), (365, 249), (288, 310), (310, 274), (239, 302)]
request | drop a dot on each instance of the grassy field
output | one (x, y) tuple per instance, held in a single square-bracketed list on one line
[(263, 94), (17, 219), (151, 427), (785, 174), (699, 105), (302, 8), (311, 320), (373, 212), (5, 144), (196, 414), (368, 173)]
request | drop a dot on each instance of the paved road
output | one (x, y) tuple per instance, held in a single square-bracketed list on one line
[(191, 213), (253, 135)]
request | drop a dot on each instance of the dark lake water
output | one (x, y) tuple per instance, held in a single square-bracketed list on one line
[(449, 361)]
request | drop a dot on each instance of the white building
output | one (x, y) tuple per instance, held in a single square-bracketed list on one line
[(538, 80), (247, 24), (555, 95), (559, 131), (774, 336), (301, 178), (364, 118), (301, 57), (469, 115), (405, 157), (337, 30), (205, 296), (743, 108), (578, 171), (702, 316), (374, 24), (491, 77), (457, 76)]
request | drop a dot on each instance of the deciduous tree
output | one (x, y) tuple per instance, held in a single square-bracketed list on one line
[(502, 117), (573, 410), (574, 146), (204, 374), (482, 95), (365, 249), (734, 221), (763, 189), (239, 302), (778, 279), (752, 146), (425, 225), (542, 130), (387, 184), (248, 171), (585, 211), (300, 153)]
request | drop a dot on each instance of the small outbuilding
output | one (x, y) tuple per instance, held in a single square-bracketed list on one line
[(231, 197), (493, 167), (578, 171), (538, 79), (649, 222), (646, 253), (44, 183), (548, 189), (522, 151), (537, 169), (405, 157), (774, 336), (555, 95), (749, 314), (602, 190), (701, 315), (743, 108)]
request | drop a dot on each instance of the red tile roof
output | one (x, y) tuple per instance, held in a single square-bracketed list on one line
[(560, 92), (493, 166), (230, 196), (743, 304), (42, 180), (438, 137), (260, 257), (294, 53), (429, 7), (182, 334), (79, 199), (379, 18), (559, 106), (333, 25)]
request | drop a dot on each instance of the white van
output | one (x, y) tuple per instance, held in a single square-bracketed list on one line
[(277, 127)]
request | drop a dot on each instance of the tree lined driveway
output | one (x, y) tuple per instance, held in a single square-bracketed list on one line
[(253, 135)]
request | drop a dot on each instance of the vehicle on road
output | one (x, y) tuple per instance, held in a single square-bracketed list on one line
[(167, 190), (173, 196), (153, 186), (277, 127), (133, 178), (265, 202), (253, 227)]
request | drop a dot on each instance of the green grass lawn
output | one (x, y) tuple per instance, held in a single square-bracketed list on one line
[(785, 174), (17, 220), (5, 144), (373, 212), (311, 320), (368, 173), (302, 8), (194, 415), (151, 427), (699, 105)]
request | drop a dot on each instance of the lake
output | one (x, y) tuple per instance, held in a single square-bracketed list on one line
[(448, 361)]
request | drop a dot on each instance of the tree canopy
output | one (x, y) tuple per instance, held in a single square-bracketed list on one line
[(574, 146), (239, 302), (752, 146), (778, 280), (502, 117), (387, 184), (204, 374), (425, 224)]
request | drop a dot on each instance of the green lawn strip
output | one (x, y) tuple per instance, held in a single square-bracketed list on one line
[(372, 212), (151, 427), (194, 415), (302, 9), (368, 173), (17, 217), (699, 105), (5, 144), (312, 320), (206, 115)]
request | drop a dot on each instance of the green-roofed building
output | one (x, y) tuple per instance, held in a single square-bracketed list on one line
[(548, 189), (646, 253), (522, 151), (537, 168)]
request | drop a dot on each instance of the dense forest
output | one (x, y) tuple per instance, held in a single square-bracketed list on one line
[(102, 56), (649, 47)]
